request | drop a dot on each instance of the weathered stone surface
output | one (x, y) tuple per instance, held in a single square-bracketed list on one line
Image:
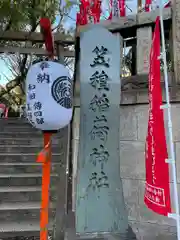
[(142, 96), (76, 123), (142, 121), (139, 94), (130, 189), (92, 196), (18, 128), (142, 116), (75, 167), (21, 182), (16, 194), (148, 216), (26, 158), (19, 149), (128, 98), (149, 231), (134, 120), (23, 215), (132, 159), (14, 122), (26, 180), (23, 230), (38, 141), (27, 134), (175, 121), (35, 168), (135, 229), (144, 39), (128, 123)]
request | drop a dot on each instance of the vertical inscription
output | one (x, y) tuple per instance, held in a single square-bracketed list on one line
[(100, 105), (35, 107)]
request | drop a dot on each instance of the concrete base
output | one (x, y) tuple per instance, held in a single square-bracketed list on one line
[(108, 236)]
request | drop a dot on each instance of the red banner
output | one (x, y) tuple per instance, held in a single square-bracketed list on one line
[(90, 11), (157, 189), (121, 8), (47, 34)]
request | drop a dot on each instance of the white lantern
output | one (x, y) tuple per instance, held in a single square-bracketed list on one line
[(48, 96)]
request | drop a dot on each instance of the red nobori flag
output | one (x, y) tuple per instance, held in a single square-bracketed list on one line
[(118, 8), (82, 15), (90, 12), (157, 189), (147, 5)]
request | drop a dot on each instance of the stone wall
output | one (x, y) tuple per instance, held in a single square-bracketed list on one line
[(133, 127)]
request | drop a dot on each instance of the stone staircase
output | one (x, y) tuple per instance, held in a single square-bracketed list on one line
[(20, 177)]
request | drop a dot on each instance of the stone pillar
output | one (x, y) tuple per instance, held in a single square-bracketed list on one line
[(144, 39), (76, 123), (100, 207)]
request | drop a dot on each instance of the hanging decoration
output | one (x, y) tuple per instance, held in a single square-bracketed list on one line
[(81, 17), (118, 9), (90, 12), (49, 94), (47, 34)]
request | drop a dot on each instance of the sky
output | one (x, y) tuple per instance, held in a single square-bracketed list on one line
[(4, 72), (132, 4)]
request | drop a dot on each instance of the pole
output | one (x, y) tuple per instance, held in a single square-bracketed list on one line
[(45, 158), (171, 159)]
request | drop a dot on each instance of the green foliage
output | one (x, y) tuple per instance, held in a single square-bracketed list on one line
[(24, 15)]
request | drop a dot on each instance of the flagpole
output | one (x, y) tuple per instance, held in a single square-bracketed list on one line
[(167, 106)]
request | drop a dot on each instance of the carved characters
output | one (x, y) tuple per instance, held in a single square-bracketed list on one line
[(100, 81), (100, 105), (100, 58)]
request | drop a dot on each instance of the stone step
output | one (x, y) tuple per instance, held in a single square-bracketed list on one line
[(25, 134), (29, 179), (24, 229), (19, 128), (18, 168), (20, 215), (56, 139), (24, 194), (9, 206), (14, 121), (23, 211), (18, 123), (11, 128), (19, 149), (27, 157)]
